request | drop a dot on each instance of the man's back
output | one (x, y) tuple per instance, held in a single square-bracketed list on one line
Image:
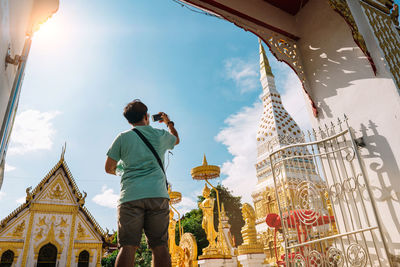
[(142, 176)]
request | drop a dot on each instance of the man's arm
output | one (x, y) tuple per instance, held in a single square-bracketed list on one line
[(170, 126), (111, 166)]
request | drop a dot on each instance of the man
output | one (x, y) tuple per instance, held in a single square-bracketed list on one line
[(144, 199)]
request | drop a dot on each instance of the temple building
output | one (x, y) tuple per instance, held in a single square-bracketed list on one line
[(53, 227), (276, 129)]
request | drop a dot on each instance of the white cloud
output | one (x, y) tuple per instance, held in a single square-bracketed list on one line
[(9, 168), (2, 195), (186, 205), (240, 138), (21, 200), (33, 130), (107, 198), (244, 73)]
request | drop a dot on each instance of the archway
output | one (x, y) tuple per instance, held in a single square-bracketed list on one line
[(83, 260), (47, 256), (7, 259)]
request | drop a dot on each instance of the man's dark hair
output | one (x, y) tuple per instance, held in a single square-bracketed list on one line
[(135, 111)]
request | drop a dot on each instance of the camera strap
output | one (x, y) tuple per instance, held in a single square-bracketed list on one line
[(148, 144)]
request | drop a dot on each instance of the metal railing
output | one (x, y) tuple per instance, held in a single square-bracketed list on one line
[(327, 212)]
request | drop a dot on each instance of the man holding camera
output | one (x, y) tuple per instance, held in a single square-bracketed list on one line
[(144, 199)]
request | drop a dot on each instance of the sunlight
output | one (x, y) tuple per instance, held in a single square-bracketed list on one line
[(49, 31)]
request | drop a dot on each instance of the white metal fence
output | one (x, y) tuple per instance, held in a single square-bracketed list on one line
[(327, 216)]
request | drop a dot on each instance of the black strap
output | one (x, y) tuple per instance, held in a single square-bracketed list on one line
[(144, 139)]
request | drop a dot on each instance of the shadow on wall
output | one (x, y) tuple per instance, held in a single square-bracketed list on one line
[(379, 158), (331, 58)]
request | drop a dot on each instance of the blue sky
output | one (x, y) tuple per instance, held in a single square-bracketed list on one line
[(93, 57)]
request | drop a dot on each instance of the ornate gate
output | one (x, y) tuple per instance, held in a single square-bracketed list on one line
[(327, 214)]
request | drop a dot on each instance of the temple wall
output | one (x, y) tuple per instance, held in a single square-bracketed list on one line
[(342, 81)]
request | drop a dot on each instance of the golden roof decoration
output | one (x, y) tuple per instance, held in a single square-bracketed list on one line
[(205, 171), (175, 197)]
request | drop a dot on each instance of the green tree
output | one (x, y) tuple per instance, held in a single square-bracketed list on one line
[(109, 261), (191, 223), (142, 258), (233, 209), (143, 254)]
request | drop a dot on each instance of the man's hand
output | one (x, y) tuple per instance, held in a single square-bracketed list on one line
[(165, 118), (170, 126)]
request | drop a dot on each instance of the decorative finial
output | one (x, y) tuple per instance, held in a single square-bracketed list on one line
[(63, 151), (205, 160), (264, 63)]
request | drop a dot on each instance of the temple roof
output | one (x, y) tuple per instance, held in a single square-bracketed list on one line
[(77, 198)]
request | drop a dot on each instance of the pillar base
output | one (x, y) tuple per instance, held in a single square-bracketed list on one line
[(252, 260), (218, 262)]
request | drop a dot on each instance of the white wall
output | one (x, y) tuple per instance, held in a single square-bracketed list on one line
[(342, 82)]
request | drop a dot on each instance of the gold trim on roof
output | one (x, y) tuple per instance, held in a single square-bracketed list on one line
[(79, 197)]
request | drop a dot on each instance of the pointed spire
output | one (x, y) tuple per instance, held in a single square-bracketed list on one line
[(205, 160), (264, 63), (275, 122), (63, 151)]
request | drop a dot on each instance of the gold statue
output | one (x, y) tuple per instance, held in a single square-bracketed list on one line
[(207, 206), (185, 254), (171, 232), (174, 250), (250, 244)]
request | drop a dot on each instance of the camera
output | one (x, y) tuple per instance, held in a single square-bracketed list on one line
[(156, 117)]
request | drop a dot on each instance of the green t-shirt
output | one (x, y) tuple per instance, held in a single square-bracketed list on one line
[(142, 176)]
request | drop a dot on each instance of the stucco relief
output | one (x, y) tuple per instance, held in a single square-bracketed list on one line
[(16, 230), (49, 228), (58, 192), (83, 232)]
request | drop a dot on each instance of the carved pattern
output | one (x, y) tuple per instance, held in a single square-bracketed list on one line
[(356, 255), (299, 260), (341, 7), (388, 39), (189, 247), (57, 192), (81, 232), (44, 227), (315, 259), (334, 257), (18, 230), (308, 199)]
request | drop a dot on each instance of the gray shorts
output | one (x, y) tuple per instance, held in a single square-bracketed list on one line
[(150, 215)]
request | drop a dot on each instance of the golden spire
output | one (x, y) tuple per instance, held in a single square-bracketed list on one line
[(205, 160), (265, 68)]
